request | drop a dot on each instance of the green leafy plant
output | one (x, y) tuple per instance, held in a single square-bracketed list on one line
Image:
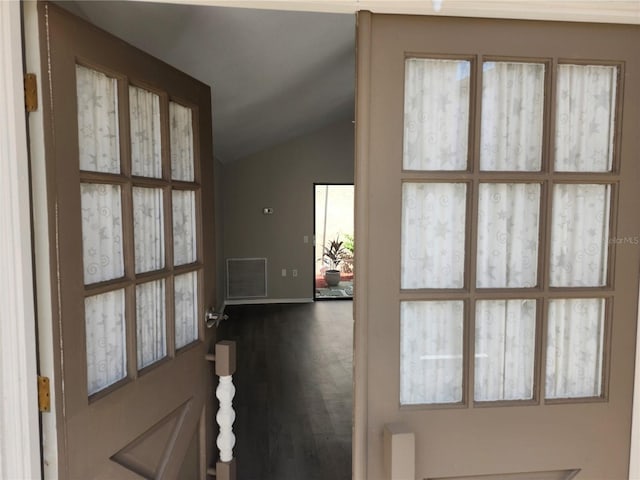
[(334, 253), (349, 243)]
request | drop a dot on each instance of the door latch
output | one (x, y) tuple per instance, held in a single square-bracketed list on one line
[(213, 318)]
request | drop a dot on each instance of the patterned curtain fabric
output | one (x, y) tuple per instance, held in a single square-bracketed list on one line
[(504, 349), (102, 226), (579, 234), (431, 352), (433, 235), (148, 229), (151, 322), (435, 228), (101, 232), (98, 134), (512, 114), (436, 114), (184, 227), (585, 118), (574, 348), (144, 108), (181, 136), (508, 235), (186, 295), (105, 334)]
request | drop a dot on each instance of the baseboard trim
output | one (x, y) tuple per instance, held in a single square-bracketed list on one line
[(260, 301)]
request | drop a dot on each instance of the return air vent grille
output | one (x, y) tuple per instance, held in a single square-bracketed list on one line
[(246, 277)]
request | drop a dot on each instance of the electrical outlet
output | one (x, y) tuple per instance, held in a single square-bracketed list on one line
[(284, 272), (294, 272)]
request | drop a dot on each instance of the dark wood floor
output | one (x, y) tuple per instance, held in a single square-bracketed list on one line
[(293, 390)]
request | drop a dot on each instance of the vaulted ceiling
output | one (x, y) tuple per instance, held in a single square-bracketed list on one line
[(274, 75), (279, 74)]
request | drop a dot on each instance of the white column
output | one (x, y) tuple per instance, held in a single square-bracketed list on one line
[(19, 437)]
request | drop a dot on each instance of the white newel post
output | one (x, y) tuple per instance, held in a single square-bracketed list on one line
[(225, 358), (225, 418)]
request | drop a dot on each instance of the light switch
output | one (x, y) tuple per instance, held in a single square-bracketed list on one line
[(305, 239)]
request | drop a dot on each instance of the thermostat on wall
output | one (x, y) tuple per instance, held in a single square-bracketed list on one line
[(267, 211)]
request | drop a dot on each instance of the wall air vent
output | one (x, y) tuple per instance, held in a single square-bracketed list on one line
[(246, 277)]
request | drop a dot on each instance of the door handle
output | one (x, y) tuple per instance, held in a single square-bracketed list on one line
[(213, 318)]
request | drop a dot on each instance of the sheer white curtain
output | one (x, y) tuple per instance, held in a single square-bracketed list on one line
[(151, 322), (105, 340), (431, 352), (574, 348), (436, 114), (504, 349), (101, 232), (585, 118), (186, 308), (579, 235), (507, 253), (98, 133), (148, 229), (102, 226), (184, 226), (512, 108), (181, 137), (433, 235), (144, 114), (435, 225)]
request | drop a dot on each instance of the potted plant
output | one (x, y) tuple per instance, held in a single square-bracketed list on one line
[(334, 252)]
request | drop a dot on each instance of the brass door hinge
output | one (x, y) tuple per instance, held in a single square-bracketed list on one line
[(44, 395), (30, 92)]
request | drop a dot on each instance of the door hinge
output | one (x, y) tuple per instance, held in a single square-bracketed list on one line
[(30, 92), (44, 394)]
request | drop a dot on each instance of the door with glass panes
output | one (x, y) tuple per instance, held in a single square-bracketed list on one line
[(497, 188), (129, 164)]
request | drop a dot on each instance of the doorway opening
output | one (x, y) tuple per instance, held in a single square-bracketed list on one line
[(333, 241)]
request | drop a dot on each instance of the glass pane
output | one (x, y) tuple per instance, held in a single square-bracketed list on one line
[(101, 232), (585, 118), (512, 112), (579, 232), (151, 322), (106, 340), (186, 294), (505, 349), (433, 235), (431, 342), (436, 114), (508, 235), (575, 348), (144, 107), (184, 227), (182, 166), (148, 228), (98, 135)]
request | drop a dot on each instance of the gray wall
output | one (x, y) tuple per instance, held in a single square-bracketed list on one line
[(282, 178), (218, 177)]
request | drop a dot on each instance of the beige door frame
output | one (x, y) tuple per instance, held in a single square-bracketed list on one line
[(19, 432)]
